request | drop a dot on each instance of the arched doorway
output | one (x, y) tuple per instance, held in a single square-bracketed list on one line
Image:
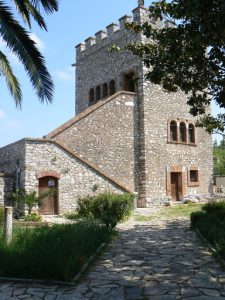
[(49, 204)]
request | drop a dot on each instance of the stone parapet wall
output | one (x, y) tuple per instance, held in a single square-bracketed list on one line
[(106, 136), (96, 64)]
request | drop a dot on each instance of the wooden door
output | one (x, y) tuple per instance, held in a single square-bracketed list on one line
[(176, 186), (49, 205)]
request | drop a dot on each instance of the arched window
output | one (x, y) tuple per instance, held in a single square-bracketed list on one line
[(91, 95), (173, 131), (104, 90), (112, 87), (191, 133), (98, 93), (183, 136)]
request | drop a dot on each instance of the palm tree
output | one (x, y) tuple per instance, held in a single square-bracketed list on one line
[(18, 41)]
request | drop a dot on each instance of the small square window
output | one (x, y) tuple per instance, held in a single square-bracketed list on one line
[(51, 183), (193, 176)]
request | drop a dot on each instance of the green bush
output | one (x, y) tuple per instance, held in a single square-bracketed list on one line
[(108, 207), (84, 206), (57, 252), (33, 217), (72, 216), (211, 223)]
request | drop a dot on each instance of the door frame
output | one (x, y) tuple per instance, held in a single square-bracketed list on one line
[(176, 169), (56, 195)]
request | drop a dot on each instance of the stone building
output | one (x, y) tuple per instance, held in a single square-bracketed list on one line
[(128, 135)]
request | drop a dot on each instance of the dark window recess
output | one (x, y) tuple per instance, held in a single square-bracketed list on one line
[(129, 82), (104, 90), (183, 137), (191, 133), (193, 176), (112, 87), (173, 131), (91, 95), (98, 93)]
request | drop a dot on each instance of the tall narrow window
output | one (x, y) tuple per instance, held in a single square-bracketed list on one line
[(183, 136), (104, 90), (91, 96), (191, 133), (173, 131), (98, 93), (129, 82), (112, 87)]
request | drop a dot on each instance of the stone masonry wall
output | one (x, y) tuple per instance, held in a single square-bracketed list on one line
[(10, 156), (1, 189), (159, 108), (77, 179), (96, 65), (106, 137)]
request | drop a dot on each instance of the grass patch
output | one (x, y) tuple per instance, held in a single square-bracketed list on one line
[(51, 253), (171, 212), (210, 221)]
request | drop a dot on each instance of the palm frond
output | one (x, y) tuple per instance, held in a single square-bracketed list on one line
[(19, 42), (11, 79), (36, 15), (23, 11), (48, 5)]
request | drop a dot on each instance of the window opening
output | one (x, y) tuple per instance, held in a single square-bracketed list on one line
[(105, 90), (173, 131), (112, 87), (183, 132)]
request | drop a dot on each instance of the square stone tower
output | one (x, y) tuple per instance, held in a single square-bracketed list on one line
[(172, 158)]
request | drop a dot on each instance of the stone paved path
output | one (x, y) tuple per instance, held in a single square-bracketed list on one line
[(161, 259)]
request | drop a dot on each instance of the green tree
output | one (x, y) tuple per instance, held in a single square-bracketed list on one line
[(188, 53), (222, 144), (18, 41)]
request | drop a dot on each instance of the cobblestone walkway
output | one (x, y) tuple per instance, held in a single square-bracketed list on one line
[(161, 259)]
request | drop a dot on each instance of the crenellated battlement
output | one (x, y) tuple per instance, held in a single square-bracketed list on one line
[(139, 15)]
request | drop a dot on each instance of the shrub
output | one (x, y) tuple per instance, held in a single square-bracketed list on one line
[(108, 207), (33, 217), (72, 216), (84, 206), (211, 223)]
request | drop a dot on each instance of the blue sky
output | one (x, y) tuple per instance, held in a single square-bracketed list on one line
[(74, 22)]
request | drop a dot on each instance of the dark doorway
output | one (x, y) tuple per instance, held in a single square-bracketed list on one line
[(176, 186), (49, 205)]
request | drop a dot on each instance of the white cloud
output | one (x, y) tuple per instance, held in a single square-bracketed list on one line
[(39, 43), (65, 76), (2, 113)]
